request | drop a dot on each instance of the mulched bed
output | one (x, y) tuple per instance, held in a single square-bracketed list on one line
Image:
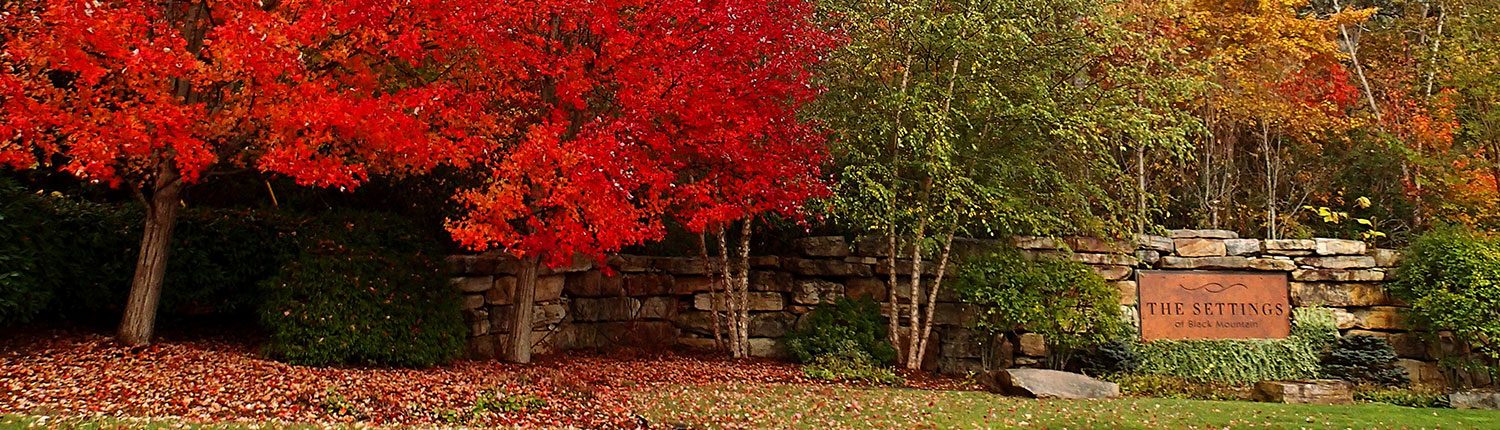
[(216, 379)]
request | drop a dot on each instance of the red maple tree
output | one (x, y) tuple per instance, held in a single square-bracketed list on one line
[(642, 110), (156, 95)]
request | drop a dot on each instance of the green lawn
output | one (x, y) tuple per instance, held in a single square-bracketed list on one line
[(753, 405), (821, 407)]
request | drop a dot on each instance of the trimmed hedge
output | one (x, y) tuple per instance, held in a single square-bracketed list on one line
[(367, 289)]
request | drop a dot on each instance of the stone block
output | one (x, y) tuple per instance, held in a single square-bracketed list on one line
[(1338, 262), (822, 246), (1337, 275), (765, 262), (504, 292), (1323, 246), (1342, 318), (1098, 259), (960, 366), (1475, 399), (1339, 294), (661, 307), (605, 309), (473, 301), (1204, 234), (1271, 264), (758, 301), (1228, 263), (1113, 273), (771, 324), (1156, 243), (546, 315), (549, 287), (699, 322), (955, 314), (1386, 257), (775, 281), (1313, 392), (1423, 373), (587, 284), (680, 265), (579, 263), (813, 267), (1082, 244), (1148, 257), (684, 285), (1242, 246), (1033, 345), (871, 288), (479, 322), (500, 319), (1200, 247), (641, 284), (1129, 292), (1037, 243), (474, 284), (482, 347), (1289, 246), (1379, 318), (631, 263), (766, 348), (817, 291), (904, 267)]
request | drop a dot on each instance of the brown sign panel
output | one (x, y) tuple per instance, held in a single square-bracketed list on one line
[(1177, 304)]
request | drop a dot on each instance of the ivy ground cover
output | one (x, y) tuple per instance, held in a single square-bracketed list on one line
[(70, 380)]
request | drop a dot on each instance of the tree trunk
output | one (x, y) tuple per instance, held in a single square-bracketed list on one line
[(743, 283), (727, 296), (518, 341), (932, 292), (912, 360), (139, 321), (895, 318)]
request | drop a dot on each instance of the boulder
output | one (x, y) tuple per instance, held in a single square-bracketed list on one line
[(1475, 399), (1049, 384), (822, 246), (1316, 392), (1200, 247)]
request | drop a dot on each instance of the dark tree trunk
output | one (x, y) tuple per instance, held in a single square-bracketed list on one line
[(518, 341), (139, 322)]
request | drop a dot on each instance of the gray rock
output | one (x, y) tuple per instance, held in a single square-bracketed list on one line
[(1338, 275), (1242, 246), (817, 291), (812, 267), (1272, 264), (1475, 399), (1148, 256), (1049, 384), (1386, 257), (1154, 243), (474, 284)]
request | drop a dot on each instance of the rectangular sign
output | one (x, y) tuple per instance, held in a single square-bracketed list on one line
[(1176, 304)]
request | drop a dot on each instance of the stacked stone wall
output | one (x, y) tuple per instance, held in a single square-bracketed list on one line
[(648, 301)]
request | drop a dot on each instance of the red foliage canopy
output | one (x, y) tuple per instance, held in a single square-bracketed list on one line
[(324, 91), (645, 109)]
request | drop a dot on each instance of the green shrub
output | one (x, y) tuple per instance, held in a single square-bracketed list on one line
[(1364, 359), (1115, 356), (1451, 277), (1243, 361), (1065, 301), (23, 291), (365, 290), (1173, 387), (1409, 397), (845, 324), (850, 363)]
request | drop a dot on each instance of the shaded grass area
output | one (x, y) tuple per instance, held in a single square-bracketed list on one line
[(740, 405)]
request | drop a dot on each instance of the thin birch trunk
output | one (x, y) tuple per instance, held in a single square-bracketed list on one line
[(912, 361), (744, 287), (932, 292), (893, 336), (713, 282), (731, 304)]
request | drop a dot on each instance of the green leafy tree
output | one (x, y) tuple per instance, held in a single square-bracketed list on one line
[(987, 118)]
